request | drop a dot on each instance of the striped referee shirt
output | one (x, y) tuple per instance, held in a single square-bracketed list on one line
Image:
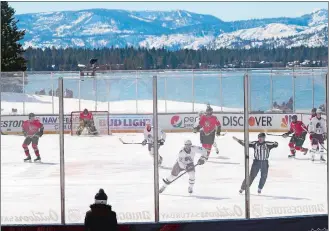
[(261, 150)]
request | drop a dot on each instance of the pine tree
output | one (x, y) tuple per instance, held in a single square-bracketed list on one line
[(11, 50)]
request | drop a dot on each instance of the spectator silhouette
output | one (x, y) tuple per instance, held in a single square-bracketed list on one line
[(100, 217)]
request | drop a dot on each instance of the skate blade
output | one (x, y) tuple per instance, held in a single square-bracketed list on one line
[(27, 161)]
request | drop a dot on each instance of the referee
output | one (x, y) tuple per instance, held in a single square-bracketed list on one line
[(262, 150)]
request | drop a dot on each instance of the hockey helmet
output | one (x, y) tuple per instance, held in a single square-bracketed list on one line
[(318, 111), (31, 116), (294, 118), (313, 111), (261, 137), (85, 111), (187, 145), (262, 134), (209, 110), (148, 124)]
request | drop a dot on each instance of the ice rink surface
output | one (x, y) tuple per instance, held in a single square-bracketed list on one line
[(30, 192)]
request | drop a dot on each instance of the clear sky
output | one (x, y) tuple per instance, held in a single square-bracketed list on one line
[(227, 11)]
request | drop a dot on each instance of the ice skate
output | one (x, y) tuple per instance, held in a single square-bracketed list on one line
[(27, 159), (162, 188), (241, 191), (305, 151), (292, 156), (190, 189), (259, 191), (38, 159), (322, 159)]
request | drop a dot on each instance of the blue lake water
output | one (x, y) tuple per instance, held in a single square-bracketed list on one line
[(221, 88)]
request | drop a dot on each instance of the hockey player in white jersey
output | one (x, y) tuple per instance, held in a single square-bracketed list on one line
[(318, 130), (185, 162), (149, 139)]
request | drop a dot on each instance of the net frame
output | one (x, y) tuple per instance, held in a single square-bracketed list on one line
[(74, 120)]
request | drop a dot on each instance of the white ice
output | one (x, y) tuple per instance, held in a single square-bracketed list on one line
[(31, 192)]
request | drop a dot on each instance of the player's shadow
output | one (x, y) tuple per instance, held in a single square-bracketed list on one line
[(46, 163), (219, 162), (282, 197), (219, 157), (165, 168), (198, 197)]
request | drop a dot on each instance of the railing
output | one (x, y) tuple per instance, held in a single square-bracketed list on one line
[(271, 90)]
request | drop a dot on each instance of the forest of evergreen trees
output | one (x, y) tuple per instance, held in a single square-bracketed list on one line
[(128, 58)]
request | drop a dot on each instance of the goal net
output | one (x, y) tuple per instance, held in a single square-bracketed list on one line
[(101, 122)]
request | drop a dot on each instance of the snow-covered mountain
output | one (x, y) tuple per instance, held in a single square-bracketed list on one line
[(173, 30)]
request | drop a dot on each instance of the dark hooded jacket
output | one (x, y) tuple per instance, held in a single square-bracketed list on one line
[(100, 217)]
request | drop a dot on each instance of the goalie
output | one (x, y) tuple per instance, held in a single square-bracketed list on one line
[(86, 121)]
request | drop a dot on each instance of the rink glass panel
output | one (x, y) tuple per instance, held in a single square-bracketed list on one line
[(289, 189), (304, 99), (207, 89), (125, 172), (260, 90), (215, 193), (232, 91), (319, 88)]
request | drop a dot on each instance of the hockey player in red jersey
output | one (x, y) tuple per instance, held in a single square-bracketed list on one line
[(86, 121), (209, 126), (299, 131), (32, 130)]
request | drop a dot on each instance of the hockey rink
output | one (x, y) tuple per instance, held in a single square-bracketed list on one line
[(294, 186)]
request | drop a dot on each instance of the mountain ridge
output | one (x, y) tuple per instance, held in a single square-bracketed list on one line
[(176, 29)]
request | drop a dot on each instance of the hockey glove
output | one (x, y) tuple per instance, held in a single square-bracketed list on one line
[(325, 136), (202, 160), (144, 142), (161, 142), (25, 133), (195, 130), (189, 167), (218, 131)]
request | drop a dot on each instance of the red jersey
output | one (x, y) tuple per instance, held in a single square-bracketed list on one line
[(31, 127), (89, 116), (209, 124), (297, 128)]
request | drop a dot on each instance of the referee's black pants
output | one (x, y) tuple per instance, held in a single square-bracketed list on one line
[(257, 165)]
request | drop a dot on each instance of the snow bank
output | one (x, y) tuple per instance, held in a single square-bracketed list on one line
[(44, 105)]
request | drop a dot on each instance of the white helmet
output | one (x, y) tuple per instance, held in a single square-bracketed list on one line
[(188, 143), (318, 111), (148, 122)]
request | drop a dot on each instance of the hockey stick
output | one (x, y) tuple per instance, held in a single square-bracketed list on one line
[(124, 142), (269, 134), (180, 176), (129, 142)]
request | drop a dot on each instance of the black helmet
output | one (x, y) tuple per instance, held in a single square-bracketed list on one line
[(313, 111), (261, 135), (209, 110), (31, 115), (294, 118), (85, 111)]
